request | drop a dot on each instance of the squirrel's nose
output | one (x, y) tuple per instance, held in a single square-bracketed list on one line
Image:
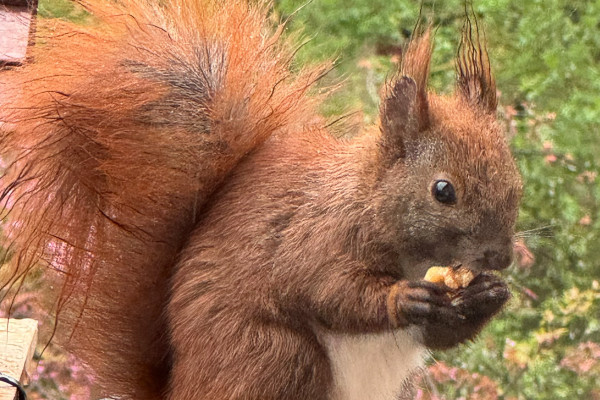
[(497, 259)]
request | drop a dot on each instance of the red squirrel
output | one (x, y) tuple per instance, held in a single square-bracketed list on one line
[(210, 239)]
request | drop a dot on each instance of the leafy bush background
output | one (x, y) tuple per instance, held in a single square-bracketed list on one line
[(546, 344)]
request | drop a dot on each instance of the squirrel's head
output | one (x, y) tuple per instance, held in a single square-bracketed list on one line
[(449, 188)]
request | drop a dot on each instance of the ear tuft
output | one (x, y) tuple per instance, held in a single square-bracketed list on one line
[(416, 64), (404, 111), (475, 82)]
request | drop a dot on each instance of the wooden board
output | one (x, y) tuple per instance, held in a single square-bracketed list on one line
[(18, 338), (16, 28)]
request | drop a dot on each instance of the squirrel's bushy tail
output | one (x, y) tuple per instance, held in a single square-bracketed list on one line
[(112, 140)]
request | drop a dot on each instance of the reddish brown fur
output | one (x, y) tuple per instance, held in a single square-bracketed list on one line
[(186, 115), (118, 134)]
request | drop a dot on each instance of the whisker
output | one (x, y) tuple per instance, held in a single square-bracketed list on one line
[(542, 231)]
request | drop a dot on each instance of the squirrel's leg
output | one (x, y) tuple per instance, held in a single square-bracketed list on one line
[(351, 299), (238, 357)]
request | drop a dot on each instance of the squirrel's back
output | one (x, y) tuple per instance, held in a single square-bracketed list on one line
[(113, 139)]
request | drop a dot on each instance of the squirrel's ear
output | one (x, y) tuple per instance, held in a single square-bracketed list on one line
[(475, 82), (399, 117), (404, 111)]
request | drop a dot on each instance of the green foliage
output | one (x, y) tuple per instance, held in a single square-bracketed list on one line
[(545, 57), (64, 9)]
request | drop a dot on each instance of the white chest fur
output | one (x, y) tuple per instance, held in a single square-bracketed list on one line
[(372, 366)]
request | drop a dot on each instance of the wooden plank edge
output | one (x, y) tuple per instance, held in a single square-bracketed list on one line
[(18, 338)]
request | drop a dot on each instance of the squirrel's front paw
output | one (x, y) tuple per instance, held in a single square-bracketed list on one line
[(447, 317), (419, 303), (476, 305), (483, 298)]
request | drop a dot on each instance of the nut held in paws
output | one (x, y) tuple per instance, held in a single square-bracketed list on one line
[(454, 278)]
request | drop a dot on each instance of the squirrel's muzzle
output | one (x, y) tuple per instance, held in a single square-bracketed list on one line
[(496, 259)]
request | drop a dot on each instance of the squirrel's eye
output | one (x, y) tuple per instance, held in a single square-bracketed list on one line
[(444, 192)]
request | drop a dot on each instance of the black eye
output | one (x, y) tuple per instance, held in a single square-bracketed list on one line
[(443, 191)]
